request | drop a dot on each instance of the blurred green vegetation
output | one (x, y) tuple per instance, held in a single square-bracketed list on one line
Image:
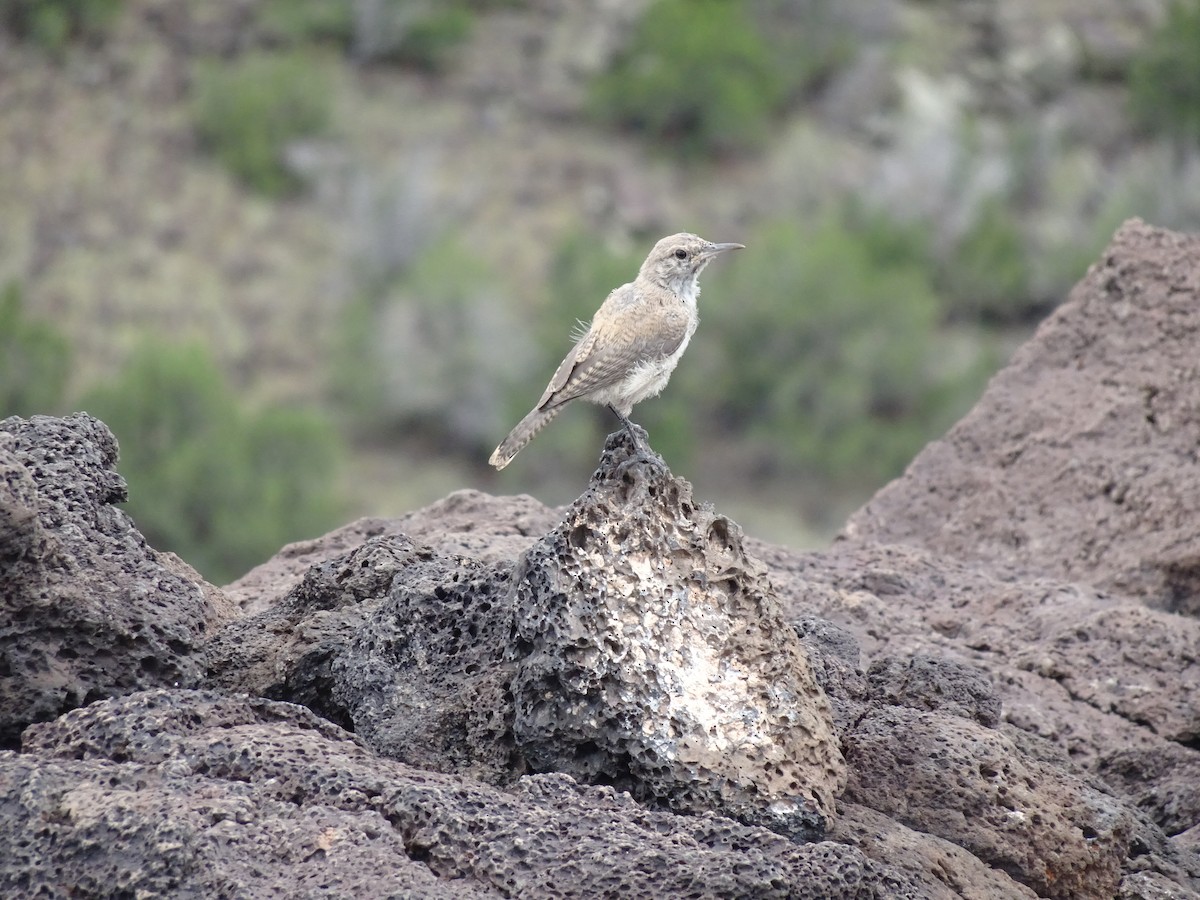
[(419, 34), (308, 21), (415, 350), (832, 349), (986, 274), (830, 346), (705, 77), (221, 484), (1164, 80), (246, 111), (52, 24), (35, 358)]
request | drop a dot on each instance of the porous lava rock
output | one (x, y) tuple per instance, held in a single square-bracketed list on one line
[(198, 795), (87, 609), (1165, 782), (954, 778), (1079, 462), (396, 641), (651, 654), (466, 523), (932, 682)]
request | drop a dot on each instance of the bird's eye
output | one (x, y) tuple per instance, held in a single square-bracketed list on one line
[(681, 253)]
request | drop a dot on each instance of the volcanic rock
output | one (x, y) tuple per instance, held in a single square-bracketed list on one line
[(87, 609), (651, 653)]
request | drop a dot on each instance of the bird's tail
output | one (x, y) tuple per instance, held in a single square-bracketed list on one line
[(522, 435)]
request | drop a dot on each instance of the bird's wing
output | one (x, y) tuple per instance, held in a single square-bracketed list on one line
[(594, 364)]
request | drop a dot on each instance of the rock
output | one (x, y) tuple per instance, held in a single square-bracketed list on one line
[(933, 683), (1080, 461), (651, 654), (266, 584), (466, 523), (1163, 782), (425, 677), (949, 871), (478, 525), (397, 642), (901, 602), (88, 610), (195, 794), (953, 778)]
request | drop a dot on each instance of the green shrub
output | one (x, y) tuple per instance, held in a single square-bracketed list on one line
[(429, 41), (423, 35), (704, 77), (247, 111), (416, 353), (222, 485), (51, 24), (986, 275), (34, 360), (308, 21), (1164, 81), (828, 350)]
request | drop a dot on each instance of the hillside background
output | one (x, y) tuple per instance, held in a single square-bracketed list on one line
[(311, 260)]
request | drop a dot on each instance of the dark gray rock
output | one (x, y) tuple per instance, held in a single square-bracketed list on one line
[(425, 679), (1062, 658), (1165, 783), (834, 658), (958, 780), (651, 654), (87, 609), (194, 794), (935, 683), (397, 642), (466, 523)]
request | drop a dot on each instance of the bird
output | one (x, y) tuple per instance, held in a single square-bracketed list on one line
[(632, 345)]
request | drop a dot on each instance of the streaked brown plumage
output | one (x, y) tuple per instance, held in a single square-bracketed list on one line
[(633, 343)]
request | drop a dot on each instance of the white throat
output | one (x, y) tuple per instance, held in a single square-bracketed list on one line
[(688, 289)]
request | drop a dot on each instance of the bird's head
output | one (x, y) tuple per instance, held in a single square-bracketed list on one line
[(677, 261)]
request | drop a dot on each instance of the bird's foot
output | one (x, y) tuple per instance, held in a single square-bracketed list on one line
[(637, 434)]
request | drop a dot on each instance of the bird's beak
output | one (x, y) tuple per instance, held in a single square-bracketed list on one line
[(715, 249)]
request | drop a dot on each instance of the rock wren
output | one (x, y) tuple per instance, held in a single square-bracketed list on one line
[(633, 344)]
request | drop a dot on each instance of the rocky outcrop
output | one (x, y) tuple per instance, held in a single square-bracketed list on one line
[(636, 645), (651, 653), (509, 700), (87, 609), (1080, 460), (199, 795)]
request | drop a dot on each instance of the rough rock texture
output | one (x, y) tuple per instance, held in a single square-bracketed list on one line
[(959, 874), (1017, 718), (400, 643), (1030, 636), (87, 608), (466, 523), (425, 678), (1164, 782), (931, 682), (651, 654), (1080, 460), (190, 794), (956, 779)]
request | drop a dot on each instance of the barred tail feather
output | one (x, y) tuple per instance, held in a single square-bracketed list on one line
[(522, 435)]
